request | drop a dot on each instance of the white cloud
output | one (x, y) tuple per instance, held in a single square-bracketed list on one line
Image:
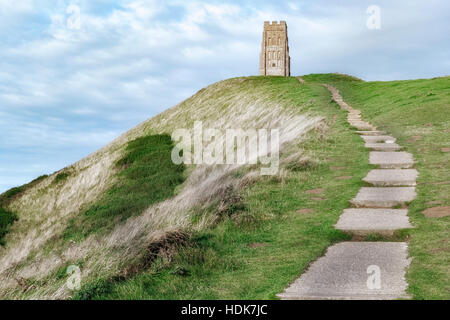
[(197, 52), (292, 6), (132, 59), (8, 7)]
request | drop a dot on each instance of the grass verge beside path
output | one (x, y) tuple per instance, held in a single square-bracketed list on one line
[(417, 113)]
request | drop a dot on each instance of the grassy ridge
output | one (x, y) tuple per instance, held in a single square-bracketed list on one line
[(146, 176), (104, 248), (417, 113), (255, 251), (263, 238), (9, 195), (6, 220)]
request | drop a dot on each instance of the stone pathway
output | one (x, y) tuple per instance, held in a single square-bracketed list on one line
[(342, 273), (367, 270), (392, 177), (392, 160), (301, 80)]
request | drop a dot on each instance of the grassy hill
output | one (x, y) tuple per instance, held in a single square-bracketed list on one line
[(118, 210), (417, 113), (140, 227)]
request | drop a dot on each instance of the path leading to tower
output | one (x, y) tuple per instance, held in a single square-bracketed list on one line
[(367, 270)]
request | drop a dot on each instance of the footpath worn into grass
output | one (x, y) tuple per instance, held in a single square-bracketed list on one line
[(416, 113), (278, 227)]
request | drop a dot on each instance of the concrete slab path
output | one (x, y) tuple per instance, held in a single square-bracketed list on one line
[(369, 221), (345, 273), (374, 139), (371, 133), (367, 270), (383, 146), (383, 197), (392, 160), (392, 177)]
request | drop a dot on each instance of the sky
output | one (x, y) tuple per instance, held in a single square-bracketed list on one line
[(75, 74)]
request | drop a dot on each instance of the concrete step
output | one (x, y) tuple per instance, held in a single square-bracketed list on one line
[(392, 160), (375, 139), (383, 197), (359, 125), (357, 121), (383, 146), (347, 272), (371, 133), (392, 177), (367, 221)]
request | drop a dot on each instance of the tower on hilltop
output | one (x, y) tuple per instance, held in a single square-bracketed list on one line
[(274, 59)]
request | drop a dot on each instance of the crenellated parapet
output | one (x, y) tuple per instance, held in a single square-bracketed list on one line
[(274, 57)]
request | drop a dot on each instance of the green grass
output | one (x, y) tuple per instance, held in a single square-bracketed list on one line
[(260, 243), (6, 220), (417, 113), (146, 175), (62, 176), (263, 244), (8, 196)]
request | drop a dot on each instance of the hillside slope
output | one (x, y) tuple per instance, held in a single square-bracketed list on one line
[(234, 261), (140, 227), (38, 246), (417, 112)]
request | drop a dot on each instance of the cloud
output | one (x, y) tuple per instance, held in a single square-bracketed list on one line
[(130, 59)]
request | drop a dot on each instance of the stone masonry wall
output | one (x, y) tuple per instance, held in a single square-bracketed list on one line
[(274, 57)]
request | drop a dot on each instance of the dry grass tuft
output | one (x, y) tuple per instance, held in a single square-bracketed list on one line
[(45, 208)]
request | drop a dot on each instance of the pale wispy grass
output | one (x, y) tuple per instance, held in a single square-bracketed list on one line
[(45, 209)]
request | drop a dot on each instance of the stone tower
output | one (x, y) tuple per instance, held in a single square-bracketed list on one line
[(274, 59)]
